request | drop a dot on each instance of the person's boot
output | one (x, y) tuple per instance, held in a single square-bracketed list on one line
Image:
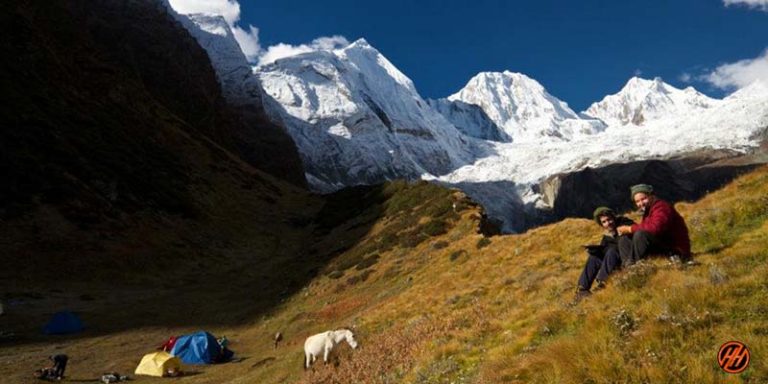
[(581, 294), (600, 285)]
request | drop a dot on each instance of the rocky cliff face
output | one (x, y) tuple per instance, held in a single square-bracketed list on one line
[(470, 119), (145, 40), (257, 139), (116, 142), (686, 178)]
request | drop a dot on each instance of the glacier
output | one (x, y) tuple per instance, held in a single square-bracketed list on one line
[(357, 119)]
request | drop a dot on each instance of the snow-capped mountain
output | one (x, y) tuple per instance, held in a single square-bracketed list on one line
[(470, 119), (523, 108), (357, 119), (235, 75), (642, 100), (736, 123)]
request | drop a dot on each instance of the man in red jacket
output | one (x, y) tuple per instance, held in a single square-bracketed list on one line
[(662, 229)]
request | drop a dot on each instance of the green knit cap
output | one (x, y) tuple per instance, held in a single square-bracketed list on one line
[(640, 188), (602, 211)]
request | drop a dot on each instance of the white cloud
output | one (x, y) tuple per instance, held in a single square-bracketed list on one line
[(761, 4), (740, 73), (248, 41), (248, 37), (637, 72), (685, 77), (281, 50), (330, 43)]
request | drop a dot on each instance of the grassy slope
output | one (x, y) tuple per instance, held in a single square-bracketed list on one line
[(455, 307), (500, 313)]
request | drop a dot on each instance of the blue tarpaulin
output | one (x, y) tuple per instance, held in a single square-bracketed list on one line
[(197, 348), (62, 323)]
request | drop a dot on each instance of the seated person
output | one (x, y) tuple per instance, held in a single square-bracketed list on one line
[(226, 354), (44, 373), (662, 229), (56, 372), (603, 259)]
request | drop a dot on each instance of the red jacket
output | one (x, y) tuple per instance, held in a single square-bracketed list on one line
[(662, 220)]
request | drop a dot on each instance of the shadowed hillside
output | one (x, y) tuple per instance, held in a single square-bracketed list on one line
[(116, 141), (125, 176)]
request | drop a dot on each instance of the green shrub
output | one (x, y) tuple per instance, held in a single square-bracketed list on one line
[(455, 255), (637, 275), (411, 239), (358, 278), (351, 258), (435, 228), (625, 321), (386, 241), (484, 242), (335, 274), (367, 262)]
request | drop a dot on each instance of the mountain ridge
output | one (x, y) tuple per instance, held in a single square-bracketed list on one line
[(357, 119)]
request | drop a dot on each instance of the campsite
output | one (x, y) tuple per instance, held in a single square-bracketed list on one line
[(171, 212), (468, 309)]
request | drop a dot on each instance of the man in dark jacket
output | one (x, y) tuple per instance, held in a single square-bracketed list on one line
[(604, 258), (59, 365), (662, 229)]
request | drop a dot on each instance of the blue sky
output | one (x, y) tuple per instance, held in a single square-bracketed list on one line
[(579, 50)]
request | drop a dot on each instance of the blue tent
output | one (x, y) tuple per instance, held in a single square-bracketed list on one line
[(63, 323), (197, 348)]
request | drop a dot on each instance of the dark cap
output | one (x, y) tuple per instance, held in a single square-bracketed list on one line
[(602, 211), (640, 188)]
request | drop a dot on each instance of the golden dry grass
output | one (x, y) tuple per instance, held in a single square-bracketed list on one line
[(453, 313)]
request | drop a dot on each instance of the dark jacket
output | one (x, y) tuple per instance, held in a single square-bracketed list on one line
[(611, 238), (665, 223)]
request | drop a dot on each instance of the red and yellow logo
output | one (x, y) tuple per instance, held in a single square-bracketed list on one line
[(733, 357)]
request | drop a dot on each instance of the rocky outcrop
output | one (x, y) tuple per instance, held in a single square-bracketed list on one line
[(470, 119), (685, 178)]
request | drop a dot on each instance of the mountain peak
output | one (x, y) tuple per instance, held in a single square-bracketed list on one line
[(523, 108), (509, 76), (213, 24), (643, 85), (360, 43), (641, 100)]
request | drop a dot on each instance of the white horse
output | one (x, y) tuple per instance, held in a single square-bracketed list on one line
[(324, 342)]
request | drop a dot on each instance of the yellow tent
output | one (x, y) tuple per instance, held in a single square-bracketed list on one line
[(157, 364)]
